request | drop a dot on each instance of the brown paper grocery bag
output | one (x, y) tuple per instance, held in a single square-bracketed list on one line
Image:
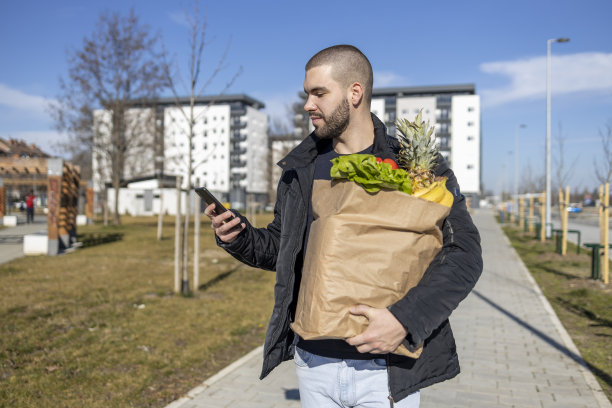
[(362, 249)]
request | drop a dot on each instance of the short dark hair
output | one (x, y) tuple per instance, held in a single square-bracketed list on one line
[(348, 64)]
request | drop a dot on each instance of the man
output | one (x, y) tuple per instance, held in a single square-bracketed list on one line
[(30, 207), (359, 371)]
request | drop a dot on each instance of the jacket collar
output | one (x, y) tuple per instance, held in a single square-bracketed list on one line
[(309, 148)]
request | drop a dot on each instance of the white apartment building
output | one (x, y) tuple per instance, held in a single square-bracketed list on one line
[(229, 146), (455, 112)]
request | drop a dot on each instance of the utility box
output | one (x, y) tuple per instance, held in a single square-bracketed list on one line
[(35, 244), (9, 220)]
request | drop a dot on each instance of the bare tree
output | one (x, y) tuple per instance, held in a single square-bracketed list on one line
[(603, 172), (563, 173), (194, 89), (532, 182), (116, 70)]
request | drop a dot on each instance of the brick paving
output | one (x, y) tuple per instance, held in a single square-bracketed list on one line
[(512, 348)]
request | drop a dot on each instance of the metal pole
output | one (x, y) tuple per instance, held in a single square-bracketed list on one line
[(547, 222), (516, 165), (548, 143)]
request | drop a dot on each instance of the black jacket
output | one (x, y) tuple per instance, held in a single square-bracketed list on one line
[(424, 311)]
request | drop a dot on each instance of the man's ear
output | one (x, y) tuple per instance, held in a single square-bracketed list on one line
[(355, 94)]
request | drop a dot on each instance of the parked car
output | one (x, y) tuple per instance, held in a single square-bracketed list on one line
[(574, 208)]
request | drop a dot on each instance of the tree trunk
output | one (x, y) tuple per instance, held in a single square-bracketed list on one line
[(116, 186), (160, 216), (177, 238), (185, 280), (196, 241)]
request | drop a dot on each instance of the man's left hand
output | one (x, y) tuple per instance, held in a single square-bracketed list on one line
[(383, 335)]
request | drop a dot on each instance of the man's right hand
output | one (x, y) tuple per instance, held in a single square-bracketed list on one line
[(226, 225)]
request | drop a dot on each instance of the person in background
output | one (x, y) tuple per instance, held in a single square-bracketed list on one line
[(30, 207)]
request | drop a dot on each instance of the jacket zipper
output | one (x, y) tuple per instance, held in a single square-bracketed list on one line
[(389, 381)]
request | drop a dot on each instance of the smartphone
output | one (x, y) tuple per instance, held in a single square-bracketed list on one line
[(209, 198)]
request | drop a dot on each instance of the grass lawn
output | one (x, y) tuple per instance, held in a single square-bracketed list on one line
[(100, 327), (582, 304)]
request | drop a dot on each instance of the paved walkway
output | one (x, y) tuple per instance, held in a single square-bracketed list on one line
[(11, 238), (512, 348)]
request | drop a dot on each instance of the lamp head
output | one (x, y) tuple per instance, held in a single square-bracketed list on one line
[(562, 40)]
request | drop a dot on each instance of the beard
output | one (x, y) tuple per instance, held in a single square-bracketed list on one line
[(335, 123)]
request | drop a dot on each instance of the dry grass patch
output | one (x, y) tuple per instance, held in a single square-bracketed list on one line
[(101, 328)]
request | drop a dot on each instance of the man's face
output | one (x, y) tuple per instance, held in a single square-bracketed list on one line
[(327, 102)]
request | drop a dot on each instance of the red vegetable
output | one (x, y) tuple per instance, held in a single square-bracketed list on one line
[(392, 163), (379, 160)]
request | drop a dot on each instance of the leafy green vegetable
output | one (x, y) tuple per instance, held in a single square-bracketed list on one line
[(363, 169)]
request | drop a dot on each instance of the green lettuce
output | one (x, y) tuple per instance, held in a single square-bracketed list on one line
[(363, 170)]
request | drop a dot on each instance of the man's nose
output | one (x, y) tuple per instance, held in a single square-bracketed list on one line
[(309, 106)]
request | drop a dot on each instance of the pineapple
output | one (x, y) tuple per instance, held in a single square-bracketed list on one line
[(418, 151)]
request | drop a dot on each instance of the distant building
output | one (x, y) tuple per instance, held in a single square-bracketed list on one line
[(455, 111), (23, 168), (229, 147), (20, 149)]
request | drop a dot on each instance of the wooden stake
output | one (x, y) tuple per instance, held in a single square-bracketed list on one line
[(606, 220), (177, 238), (601, 227), (521, 210), (531, 203), (565, 215), (543, 217)]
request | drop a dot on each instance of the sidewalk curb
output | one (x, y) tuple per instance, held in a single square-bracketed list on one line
[(589, 377), (211, 380)]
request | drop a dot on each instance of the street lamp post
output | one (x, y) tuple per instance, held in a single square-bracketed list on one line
[(548, 220), (516, 170)]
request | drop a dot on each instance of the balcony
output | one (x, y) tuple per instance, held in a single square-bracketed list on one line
[(238, 124), (236, 177), (237, 163), (238, 137), (238, 111)]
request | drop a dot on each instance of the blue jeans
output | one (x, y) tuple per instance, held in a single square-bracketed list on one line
[(331, 383)]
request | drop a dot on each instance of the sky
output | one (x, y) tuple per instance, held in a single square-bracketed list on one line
[(499, 46)]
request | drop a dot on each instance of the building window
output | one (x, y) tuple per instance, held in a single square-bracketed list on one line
[(205, 133), (470, 123), (470, 109), (470, 138), (470, 166)]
